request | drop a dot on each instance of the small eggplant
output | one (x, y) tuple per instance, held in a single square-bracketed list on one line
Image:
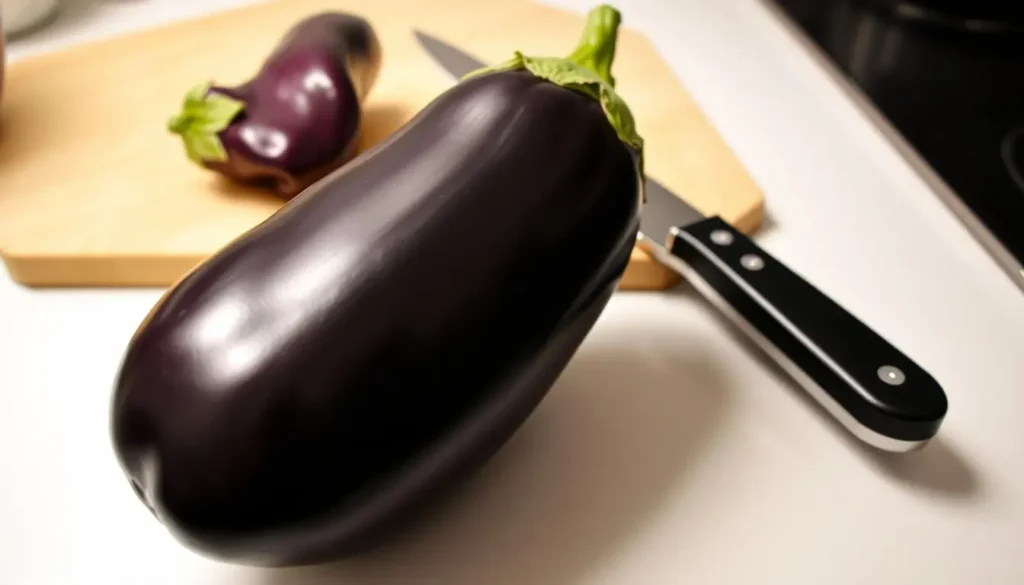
[(298, 118), (317, 382)]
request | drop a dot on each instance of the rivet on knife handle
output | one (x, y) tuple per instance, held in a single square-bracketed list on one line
[(872, 388)]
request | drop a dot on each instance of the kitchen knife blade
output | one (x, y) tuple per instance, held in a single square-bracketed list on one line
[(453, 60), (876, 392)]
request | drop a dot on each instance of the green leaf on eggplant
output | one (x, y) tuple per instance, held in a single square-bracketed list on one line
[(203, 115), (586, 70)]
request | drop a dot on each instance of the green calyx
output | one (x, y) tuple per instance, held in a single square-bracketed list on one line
[(202, 116), (587, 70)]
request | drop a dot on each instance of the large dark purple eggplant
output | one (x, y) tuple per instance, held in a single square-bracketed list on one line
[(298, 118), (323, 377)]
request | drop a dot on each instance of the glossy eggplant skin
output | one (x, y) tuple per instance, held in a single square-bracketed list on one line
[(325, 375), (303, 108)]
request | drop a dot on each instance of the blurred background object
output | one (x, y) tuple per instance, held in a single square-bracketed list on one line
[(21, 15), (945, 79)]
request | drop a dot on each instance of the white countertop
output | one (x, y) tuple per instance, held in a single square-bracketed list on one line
[(670, 451)]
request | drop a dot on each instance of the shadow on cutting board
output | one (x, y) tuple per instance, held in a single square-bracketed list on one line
[(8, 125), (613, 439), (380, 120)]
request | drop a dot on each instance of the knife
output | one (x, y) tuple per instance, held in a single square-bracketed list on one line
[(871, 388)]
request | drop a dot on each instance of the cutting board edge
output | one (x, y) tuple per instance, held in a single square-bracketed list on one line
[(106, 271), (57, 271)]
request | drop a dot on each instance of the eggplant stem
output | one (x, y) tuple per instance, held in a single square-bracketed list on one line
[(178, 124), (596, 47), (588, 70), (203, 115)]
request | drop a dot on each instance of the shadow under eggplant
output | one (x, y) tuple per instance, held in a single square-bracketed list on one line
[(613, 439), (380, 121)]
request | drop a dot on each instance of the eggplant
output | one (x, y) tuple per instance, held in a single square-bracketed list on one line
[(298, 118), (321, 380)]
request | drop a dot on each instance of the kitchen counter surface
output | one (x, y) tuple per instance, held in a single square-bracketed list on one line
[(670, 451)]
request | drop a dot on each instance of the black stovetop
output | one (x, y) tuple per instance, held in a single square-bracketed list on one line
[(949, 77)]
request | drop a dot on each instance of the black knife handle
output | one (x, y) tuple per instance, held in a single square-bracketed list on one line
[(874, 390)]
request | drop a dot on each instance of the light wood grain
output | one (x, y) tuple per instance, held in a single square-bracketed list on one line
[(95, 192)]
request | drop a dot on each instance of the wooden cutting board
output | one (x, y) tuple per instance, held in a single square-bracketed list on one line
[(95, 192)]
